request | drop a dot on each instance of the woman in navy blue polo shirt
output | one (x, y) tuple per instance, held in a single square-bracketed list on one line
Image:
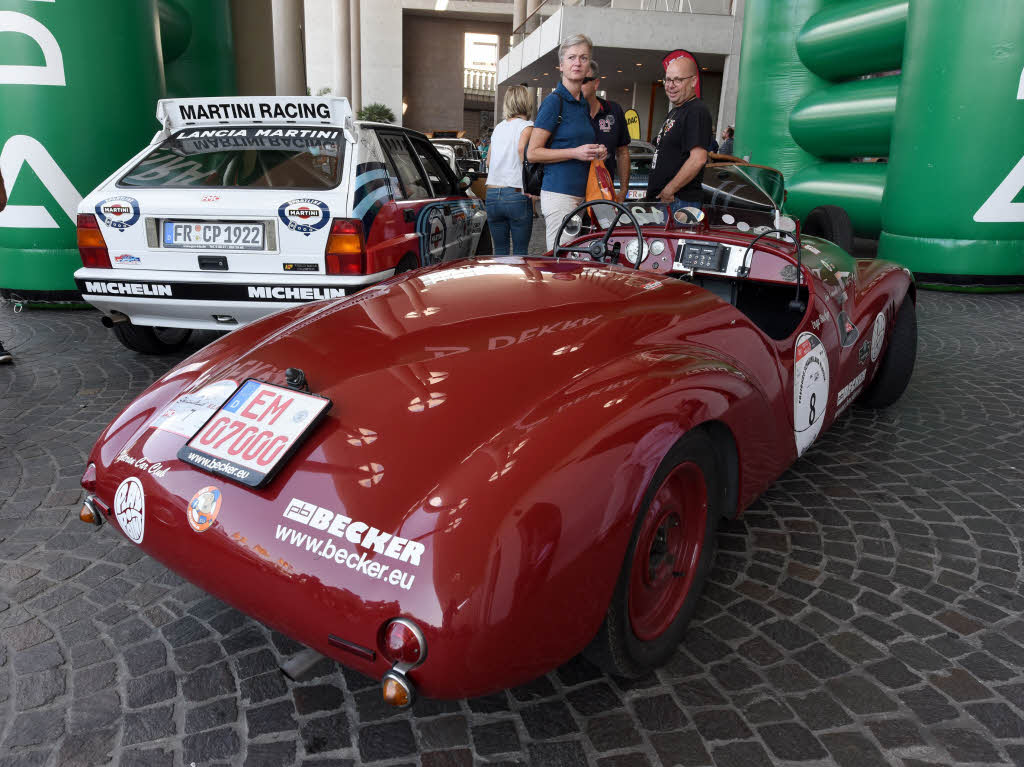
[(563, 137)]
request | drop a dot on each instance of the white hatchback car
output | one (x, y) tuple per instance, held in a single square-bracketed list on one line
[(242, 206)]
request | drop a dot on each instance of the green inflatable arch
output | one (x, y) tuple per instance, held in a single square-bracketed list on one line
[(909, 115), (79, 96)]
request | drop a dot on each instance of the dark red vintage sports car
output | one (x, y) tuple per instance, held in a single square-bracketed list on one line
[(460, 478)]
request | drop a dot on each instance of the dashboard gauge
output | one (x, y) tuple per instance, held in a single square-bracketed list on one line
[(633, 250), (657, 247)]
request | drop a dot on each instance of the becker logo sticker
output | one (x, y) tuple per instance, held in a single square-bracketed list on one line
[(810, 390), (203, 508), (118, 212), (305, 215), (130, 509), (877, 336)]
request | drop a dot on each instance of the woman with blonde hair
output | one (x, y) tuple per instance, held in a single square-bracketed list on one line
[(509, 211), (563, 137)]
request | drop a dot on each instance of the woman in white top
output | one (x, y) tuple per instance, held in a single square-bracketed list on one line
[(509, 211)]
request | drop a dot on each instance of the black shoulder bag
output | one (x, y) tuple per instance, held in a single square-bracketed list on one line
[(533, 172)]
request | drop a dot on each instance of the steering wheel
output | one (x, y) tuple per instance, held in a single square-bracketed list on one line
[(598, 249)]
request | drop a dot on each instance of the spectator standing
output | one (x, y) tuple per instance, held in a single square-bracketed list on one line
[(609, 123), (5, 356), (677, 171), (509, 211), (727, 135), (564, 120)]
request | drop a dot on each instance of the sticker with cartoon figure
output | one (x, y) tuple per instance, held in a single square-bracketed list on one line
[(118, 212), (203, 508), (877, 336), (810, 389), (304, 215), (188, 412), (130, 509)]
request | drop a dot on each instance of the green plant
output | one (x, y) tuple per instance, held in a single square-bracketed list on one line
[(380, 113)]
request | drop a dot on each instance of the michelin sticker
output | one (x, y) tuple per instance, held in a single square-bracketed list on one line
[(877, 336), (130, 509), (118, 212), (187, 413), (203, 508), (304, 215), (810, 390)]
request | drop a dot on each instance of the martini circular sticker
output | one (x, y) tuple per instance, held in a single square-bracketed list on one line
[(130, 509), (304, 215), (203, 508), (118, 212), (436, 234), (877, 336), (810, 389)]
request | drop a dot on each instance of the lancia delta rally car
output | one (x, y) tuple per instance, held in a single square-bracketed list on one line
[(240, 207)]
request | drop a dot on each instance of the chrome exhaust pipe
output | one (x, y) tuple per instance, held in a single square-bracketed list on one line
[(116, 319)]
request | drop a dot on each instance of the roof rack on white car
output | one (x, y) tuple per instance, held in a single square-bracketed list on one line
[(174, 114)]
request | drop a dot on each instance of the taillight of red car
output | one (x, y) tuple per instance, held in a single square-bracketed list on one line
[(91, 245), (346, 247)]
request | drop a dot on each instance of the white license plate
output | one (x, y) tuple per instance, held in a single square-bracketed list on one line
[(202, 235), (635, 194), (254, 433)]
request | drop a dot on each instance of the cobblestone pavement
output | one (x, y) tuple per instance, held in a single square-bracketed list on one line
[(867, 610)]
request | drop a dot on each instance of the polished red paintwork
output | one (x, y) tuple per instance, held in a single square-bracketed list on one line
[(507, 415)]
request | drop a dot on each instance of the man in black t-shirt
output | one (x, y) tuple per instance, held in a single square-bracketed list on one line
[(678, 167)]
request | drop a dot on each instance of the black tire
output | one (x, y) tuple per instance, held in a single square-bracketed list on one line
[(616, 648), (484, 246), (897, 364), (151, 340), (832, 223)]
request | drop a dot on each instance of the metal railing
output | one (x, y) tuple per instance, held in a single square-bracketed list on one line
[(549, 7)]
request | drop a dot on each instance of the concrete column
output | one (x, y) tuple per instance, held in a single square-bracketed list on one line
[(355, 50), (381, 56), (731, 74), (342, 80), (518, 14), (289, 48), (253, 32)]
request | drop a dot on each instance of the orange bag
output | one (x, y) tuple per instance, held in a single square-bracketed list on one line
[(599, 182)]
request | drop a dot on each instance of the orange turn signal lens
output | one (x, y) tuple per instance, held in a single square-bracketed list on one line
[(395, 693), (87, 514)]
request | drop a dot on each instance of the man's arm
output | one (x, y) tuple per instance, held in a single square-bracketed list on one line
[(622, 160), (698, 159)]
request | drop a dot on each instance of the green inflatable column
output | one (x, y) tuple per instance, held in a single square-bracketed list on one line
[(773, 80), (198, 50), (78, 87), (953, 210)]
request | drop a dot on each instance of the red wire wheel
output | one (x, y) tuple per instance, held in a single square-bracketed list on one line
[(668, 549)]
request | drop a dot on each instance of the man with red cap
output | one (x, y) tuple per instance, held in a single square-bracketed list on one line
[(678, 168)]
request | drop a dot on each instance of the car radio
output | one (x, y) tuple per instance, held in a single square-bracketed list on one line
[(708, 256)]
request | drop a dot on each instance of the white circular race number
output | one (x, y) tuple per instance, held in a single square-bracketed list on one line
[(810, 389)]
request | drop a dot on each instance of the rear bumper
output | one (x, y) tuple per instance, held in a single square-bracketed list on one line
[(209, 300)]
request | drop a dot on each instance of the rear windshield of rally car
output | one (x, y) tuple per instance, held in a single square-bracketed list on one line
[(257, 157)]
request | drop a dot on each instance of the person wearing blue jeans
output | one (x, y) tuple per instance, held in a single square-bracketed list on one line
[(509, 211)]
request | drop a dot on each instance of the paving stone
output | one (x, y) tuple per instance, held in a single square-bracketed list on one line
[(929, 705), (960, 685), (658, 712), (87, 749), (821, 661), (273, 717), (325, 733), (386, 741), (264, 687), (152, 757), (270, 754), (94, 678), (208, 682), (152, 688), (624, 760), (612, 731), (791, 741), (896, 733), (819, 711), (147, 725), (851, 749), (594, 699), (561, 754), (95, 712), (443, 732), (721, 724), (25, 635), (683, 748), (214, 744), (787, 634), (211, 715), (860, 695), (967, 746), (191, 657), (999, 719), (495, 738), (748, 754), (35, 728), (38, 658), (143, 658), (893, 673), (321, 697), (548, 720), (39, 689)]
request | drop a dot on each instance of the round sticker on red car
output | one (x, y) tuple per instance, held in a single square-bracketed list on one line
[(203, 508)]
